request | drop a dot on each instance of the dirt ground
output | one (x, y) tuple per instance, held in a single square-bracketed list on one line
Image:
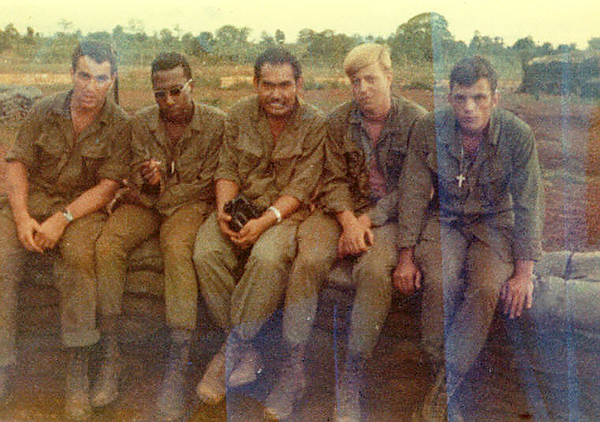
[(570, 156)]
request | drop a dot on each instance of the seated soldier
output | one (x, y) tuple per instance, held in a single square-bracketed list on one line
[(273, 157), (175, 145), (477, 239), (364, 153), (65, 167)]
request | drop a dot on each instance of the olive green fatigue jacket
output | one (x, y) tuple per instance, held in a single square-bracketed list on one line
[(501, 195), (60, 167), (187, 166), (265, 170), (346, 172)]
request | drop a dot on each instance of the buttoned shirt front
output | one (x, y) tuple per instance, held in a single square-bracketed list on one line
[(187, 165), (265, 170), (62, 166)]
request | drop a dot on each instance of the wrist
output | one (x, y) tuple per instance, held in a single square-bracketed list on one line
[(67, 216), (276, 213)]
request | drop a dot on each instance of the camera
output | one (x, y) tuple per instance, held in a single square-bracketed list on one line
[(241, 210)]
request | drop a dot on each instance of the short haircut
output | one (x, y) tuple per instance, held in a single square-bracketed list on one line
[(471, 69), (98, 51), (365, 55), (277, 56), (168, 61)]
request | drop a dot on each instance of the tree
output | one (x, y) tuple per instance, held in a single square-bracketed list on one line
[(594, 44), (422, 38), (279, 36)]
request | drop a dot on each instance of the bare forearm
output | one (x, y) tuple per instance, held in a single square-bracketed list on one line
[(226, 190), (523, 268), (93, 199), (17, 188)]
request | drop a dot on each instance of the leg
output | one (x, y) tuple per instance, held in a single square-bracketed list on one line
[(12, 256), (216, 260), (257, 295), (372, 277), (124, 230), (77, 285), (177, 236), (317, 240)]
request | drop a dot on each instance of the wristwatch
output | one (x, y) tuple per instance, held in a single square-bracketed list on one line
[(68, 216)]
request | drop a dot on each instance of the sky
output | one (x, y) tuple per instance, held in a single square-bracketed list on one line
[(554, 21)]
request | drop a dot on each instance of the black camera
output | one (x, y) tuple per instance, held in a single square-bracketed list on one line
[(241, 210)]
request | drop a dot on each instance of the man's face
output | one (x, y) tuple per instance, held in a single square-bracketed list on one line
[(473, 105), (91, 82), (173, 94), (277, 89), (371, 89)]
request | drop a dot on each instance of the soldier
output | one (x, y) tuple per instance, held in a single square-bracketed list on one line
[(272, 156), (365, 148), (470, 225), (68, 160), (175, 145)]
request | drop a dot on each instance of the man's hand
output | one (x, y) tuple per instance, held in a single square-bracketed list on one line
[(250, 233), (150, 171), (27, 227), (223, 219), (51, 231), (356, 236), (517, 292), (407, 276)]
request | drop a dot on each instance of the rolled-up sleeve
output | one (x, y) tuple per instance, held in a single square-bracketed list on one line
[(228, 162)]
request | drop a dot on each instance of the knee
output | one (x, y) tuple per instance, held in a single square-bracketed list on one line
[(205, 254)]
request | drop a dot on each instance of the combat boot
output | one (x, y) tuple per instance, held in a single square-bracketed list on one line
[(350, 390), (439, 405), (211, 389), (77, 393), (106, 387), (289, 388), (171, 405), (243, 363)]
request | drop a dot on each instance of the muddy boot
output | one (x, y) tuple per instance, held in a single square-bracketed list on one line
[(289, 388), (243, 362), (171, 405), (435, 407), (106, 387), (77, 393), (211, 389), (350, 390)]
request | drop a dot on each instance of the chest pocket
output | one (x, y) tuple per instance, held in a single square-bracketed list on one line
[(249, 157), (93, 155), (494, 178), (51, 154), (284, 159), (393, 161)]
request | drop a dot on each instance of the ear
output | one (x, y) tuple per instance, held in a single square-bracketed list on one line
[(255, 81), (495, 98), (300, 83)]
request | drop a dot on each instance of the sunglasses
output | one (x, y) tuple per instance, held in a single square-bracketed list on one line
[(173, 92)]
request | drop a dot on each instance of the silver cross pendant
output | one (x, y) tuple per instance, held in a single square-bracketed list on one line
[(461, 179)]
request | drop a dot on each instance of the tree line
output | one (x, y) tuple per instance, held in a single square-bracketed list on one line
[(423, 40)]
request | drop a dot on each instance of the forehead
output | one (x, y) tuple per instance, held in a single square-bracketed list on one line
[(482, 86), (276, 73), (374, 69), (89, 65), (168, 78)]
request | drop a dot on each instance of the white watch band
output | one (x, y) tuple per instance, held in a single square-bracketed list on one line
[(277, 213), (68, 216)]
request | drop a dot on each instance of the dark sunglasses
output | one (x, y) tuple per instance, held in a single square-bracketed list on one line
[(173, 92)]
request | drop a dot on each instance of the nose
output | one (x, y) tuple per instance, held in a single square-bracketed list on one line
[(470, 104), (169, 99)]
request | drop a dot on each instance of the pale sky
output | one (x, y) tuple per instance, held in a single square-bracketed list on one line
[(555, 21)]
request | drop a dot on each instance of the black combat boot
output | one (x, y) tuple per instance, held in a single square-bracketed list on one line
[(350, 390), (171, 405), (106, 387), (289, 388), (77, 393)]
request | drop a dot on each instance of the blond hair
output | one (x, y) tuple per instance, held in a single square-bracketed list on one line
[(365, 55)]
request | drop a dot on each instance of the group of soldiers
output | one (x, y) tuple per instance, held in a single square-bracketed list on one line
[(447, 202)]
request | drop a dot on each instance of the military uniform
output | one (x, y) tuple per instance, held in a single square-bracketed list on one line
[(346, 186), (176, 209), (264, 171), (485, 214), (60, 168)]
